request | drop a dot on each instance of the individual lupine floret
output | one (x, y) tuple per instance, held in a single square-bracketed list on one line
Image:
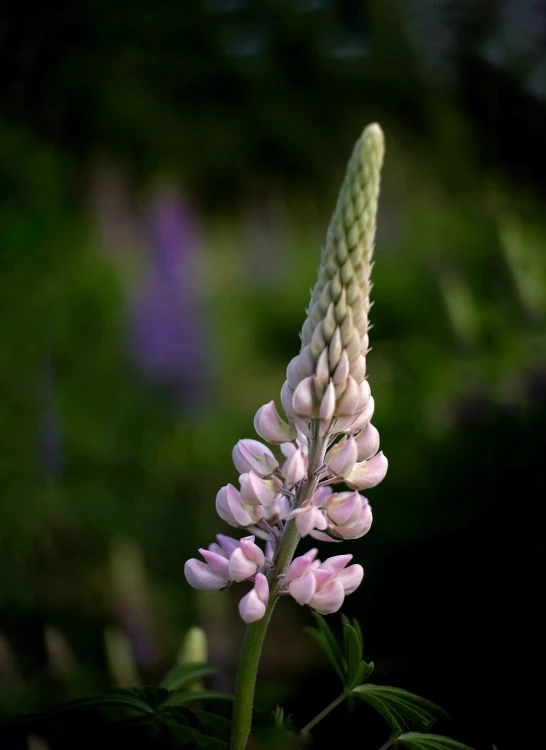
[(233, 510), (269, 425), (251, 455), (245, 560), (256, 490), (323, 586), (349, 515), (294, 468), (369, 473), (308, 517), (253, 605), (213, 574), (342, 456)]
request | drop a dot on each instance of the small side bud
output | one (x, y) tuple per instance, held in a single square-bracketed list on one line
[(253, 605)]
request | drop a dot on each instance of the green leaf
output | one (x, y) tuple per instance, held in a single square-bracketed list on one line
[(400, 708), (353, 654), (417, 741), (356, 626), (182, 697), (362, 673), (127, 698), (182, 674), (327, 642)]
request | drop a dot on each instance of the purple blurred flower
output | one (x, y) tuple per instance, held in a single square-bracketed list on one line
[(168, 336)]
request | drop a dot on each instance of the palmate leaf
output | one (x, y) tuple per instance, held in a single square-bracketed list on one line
[(181, 675), (417, 741), (400, 708)]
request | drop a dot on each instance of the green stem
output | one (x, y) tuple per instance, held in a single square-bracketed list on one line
[(390, 742), (255, 634), (325, 711)]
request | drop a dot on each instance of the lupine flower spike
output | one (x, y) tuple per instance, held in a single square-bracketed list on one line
[(326, 439)]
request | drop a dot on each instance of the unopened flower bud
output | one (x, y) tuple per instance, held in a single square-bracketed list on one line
[(303, 400), (328, 403), (258, 491), (251, 455), (368, 473), (252, 606), (341, 457), (294, 468), (348, 404), (271, 427), (367, 442), (352, 425)]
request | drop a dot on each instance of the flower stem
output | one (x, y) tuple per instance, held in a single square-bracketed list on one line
[(325, 711), (255, 634)]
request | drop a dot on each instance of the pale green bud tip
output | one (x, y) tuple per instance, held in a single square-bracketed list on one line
[(194, 647)]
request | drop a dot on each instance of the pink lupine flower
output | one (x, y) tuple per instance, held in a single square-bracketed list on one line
[(299, 577), (332, 582), (231, 508), (210, 576), (349, 515), (258, 491), (323, 586), (269, 425), (251, 455), (368, 473), (341, 457), (245, 560), (367, 442), (294, 468), (253, 605), (308, 517)]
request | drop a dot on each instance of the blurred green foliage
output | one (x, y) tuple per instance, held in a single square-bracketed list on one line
[(108, 480)]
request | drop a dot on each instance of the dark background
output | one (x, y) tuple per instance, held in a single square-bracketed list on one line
[(167, 173)]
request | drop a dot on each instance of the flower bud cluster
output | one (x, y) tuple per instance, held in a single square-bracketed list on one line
[(326, 380), (328, 438)]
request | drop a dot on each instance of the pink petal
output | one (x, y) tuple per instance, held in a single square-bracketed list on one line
[(217, 563), (303, 588), (200, 576), (351, 578), (240, 567), (329, 599)]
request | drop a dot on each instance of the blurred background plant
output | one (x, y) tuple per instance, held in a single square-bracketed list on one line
[(167, 175)]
